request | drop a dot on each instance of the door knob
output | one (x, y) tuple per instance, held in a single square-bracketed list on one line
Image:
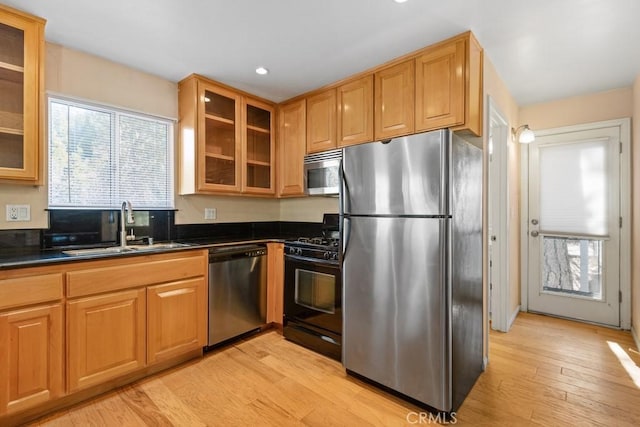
[(534, 233)]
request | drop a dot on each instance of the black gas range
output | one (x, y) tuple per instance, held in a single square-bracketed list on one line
[(313, 291), (314, 247)]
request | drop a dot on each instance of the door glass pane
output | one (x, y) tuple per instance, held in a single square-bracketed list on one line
[(316, 290), (572, 266), (573, 187)]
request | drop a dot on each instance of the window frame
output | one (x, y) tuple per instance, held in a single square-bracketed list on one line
[(115, 112)]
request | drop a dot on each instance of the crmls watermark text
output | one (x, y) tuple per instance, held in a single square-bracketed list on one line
[(429, 418)]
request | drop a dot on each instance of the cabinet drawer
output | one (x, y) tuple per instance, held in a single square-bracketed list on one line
[(115, 277), (30, 290)]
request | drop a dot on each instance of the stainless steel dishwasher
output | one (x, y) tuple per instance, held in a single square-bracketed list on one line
[(237, 291)]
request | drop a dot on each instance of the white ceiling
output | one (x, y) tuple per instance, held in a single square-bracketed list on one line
[(542, 49)]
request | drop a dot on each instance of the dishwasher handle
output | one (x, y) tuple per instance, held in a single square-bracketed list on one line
[(227, 253)]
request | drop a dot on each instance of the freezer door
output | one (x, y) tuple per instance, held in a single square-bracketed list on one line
[(395, 291), (407, 176)]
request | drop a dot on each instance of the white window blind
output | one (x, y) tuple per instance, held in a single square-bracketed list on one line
[(574, 191), (101, 156)]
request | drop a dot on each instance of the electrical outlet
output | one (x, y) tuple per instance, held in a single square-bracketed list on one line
[(18, 212), (210, 213)]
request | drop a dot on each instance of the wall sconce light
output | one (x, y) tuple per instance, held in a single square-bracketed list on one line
[(523, 134)]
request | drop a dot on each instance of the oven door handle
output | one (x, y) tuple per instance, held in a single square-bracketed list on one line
[(314, 261)]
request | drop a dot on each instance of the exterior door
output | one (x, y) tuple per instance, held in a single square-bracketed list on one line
[(574, 225)]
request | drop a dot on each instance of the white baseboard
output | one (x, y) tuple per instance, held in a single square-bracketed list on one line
[(485, 362), (635, 338), (513, 318)]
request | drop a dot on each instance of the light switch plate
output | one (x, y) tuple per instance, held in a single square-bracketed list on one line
[(210, 213), (18, 213)]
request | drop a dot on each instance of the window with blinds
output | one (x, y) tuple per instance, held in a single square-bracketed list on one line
[(100, 156)]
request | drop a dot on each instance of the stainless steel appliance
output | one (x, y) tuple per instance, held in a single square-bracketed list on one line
[(412, 266), (322, 173), (237, 291), (313, 291)]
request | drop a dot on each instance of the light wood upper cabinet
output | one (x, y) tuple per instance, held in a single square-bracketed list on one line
[(226, 140), (473, 86), (440, 87), (355, 111), (395, 100), (321, 121), (259, 161), (449, 86), (106, 337), (31, 357), (291, 148), (21, 88)]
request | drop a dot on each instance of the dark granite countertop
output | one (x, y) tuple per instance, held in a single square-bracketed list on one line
[(25, 257)]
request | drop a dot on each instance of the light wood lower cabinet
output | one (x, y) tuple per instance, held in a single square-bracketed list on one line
[(31, 353), (275, 282), (106, 337), (94, 325), (176, 318)]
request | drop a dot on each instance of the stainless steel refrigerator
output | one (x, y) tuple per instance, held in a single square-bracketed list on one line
[(411, 213)]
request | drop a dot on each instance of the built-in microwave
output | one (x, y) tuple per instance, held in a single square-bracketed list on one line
[(322, 173)]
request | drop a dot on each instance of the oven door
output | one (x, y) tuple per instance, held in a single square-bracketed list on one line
[(313, 293)]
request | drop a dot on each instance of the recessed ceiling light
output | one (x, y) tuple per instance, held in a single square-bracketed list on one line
[(262, 71), (399, 1)]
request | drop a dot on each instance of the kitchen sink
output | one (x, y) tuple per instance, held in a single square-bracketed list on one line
[(99, 251), (121, 250), (157, 246)]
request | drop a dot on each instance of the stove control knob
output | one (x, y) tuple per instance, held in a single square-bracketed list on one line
[(334, 255), (327, 255), (292, 251), (298, 251)]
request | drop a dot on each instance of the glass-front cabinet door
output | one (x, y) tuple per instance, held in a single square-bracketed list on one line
[(21, 48), (220, 145), (259, 160)]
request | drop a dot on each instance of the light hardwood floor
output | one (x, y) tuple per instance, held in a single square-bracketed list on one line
[(544, 372)]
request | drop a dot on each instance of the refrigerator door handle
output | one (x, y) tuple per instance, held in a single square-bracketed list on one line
[(340, 190), (345, 229), (343, 194)]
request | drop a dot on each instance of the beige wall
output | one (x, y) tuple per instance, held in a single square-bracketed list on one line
[(81, 75), (76, 74), (228, 209), (307, 209), (635, 242), (595, 107)]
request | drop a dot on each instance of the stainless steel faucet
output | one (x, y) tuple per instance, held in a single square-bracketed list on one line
[(126, 206)]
